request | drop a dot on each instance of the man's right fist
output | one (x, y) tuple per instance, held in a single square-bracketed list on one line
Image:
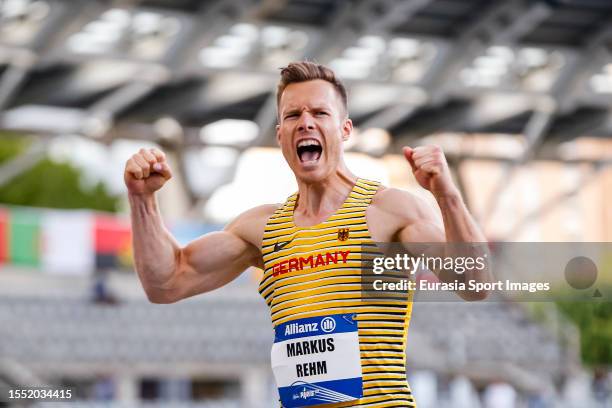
[(146, 171)]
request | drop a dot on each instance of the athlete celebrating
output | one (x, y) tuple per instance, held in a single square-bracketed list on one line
[(332, 347)]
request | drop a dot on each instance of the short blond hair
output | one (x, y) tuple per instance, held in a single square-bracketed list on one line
[(303, 71)]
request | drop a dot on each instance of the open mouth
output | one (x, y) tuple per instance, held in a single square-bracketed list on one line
[(309, 150)]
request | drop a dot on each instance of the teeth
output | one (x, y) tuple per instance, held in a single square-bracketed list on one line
[(309, 142)]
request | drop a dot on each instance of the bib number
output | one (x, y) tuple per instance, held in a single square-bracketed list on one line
[(317, 361)]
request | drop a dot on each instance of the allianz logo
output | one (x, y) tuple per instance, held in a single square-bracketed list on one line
[(328, 325), (295, 328)]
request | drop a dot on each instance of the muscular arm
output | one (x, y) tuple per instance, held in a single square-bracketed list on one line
[(459, 230), (409, 219), (169, 273), (155, 250), (462, 235), (459, 226), (423, 224)]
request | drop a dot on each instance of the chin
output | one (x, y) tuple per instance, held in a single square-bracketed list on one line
[(312, 175), (308, 176)]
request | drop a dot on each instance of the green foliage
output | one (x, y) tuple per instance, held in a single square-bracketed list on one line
[(49, 184), (594, 319), (12, 145)]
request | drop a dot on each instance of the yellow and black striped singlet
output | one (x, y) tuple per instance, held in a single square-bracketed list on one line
[(329, 287)]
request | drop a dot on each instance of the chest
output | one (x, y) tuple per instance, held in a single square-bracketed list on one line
[(382, 226)]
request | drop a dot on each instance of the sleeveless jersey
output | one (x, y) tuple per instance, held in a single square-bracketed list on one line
[(295, 286)]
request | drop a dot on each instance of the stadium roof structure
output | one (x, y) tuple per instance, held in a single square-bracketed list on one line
[(162, 70)]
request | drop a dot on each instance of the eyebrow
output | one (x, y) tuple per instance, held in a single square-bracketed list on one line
[(290, 111), (316, 108)]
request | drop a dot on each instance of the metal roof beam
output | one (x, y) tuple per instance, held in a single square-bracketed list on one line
[(523, 20), (12, 79), (213, 20), (22, 59), (489, 30), (16, 166), (542, 119), (368, 17), (376, 18), (439, 83)]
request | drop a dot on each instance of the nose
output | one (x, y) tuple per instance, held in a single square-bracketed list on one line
[(306, 122)]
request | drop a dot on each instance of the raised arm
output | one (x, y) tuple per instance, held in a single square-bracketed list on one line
[(167, 271), (418, 223), (432, 173)]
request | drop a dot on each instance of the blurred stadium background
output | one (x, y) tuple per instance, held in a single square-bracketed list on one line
[(517, 92)]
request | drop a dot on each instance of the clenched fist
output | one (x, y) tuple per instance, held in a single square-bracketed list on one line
[(430, 169), (146, 172)]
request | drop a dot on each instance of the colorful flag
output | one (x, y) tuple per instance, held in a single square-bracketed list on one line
[(4, 235), (67, 242), (113, 242), (24, 237)]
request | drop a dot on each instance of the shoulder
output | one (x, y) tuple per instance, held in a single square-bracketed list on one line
[(250, 224), (394, 211), (401, 203)]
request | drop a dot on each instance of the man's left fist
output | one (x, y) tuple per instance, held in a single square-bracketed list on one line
[(430, 169)]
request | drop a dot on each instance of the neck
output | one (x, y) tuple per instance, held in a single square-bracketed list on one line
[(318, 200)]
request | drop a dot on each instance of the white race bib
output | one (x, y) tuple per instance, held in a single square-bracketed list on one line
[(317, 361)]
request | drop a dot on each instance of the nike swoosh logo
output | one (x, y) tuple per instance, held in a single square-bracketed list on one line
[(280, 245)]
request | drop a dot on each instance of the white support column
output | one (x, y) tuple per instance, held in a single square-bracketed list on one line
[(127, 389), (254, 388)]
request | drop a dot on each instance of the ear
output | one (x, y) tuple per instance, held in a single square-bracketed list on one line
[(278, 136), (347, 129)]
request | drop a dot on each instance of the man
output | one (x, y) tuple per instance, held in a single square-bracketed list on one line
[(331, 345)]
